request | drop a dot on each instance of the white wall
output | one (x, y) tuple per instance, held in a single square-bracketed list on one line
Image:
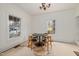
[(5, 11), (77, 25), (65, 24)]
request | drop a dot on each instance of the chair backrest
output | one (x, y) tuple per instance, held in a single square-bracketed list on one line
[(35, 37), (38, 37)]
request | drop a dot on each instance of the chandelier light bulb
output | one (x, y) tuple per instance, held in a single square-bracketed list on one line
[(44, 6)]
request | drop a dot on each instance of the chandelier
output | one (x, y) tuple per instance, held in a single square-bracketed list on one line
[(44, 6)]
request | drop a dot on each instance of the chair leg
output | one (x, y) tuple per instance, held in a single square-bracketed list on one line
[(51, 44)]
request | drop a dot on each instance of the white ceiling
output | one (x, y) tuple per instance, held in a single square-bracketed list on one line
[(33, 8)]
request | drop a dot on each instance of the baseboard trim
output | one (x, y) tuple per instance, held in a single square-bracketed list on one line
[(65, 42)]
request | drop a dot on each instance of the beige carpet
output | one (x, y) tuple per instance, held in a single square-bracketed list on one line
[(58, 49)]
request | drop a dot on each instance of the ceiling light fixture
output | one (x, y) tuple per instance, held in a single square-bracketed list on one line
[(44, 6)]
